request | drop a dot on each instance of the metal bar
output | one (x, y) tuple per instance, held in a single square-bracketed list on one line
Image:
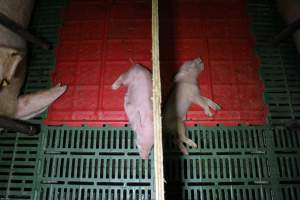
[(16, 28), (19, 126), (158, 150)]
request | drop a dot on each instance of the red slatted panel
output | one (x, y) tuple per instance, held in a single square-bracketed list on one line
[(98, 38)]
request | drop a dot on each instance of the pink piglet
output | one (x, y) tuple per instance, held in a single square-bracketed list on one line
[(138, 105)]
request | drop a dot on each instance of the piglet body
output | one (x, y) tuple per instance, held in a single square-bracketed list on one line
[(185, 92), (138, 105)]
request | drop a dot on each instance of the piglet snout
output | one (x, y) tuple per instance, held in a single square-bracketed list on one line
[(114, 87)]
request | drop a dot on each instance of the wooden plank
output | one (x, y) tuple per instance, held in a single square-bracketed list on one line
[(158, 150)]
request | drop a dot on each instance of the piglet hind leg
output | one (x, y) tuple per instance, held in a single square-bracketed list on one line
[(182, 138), (204, 104), (31, 105), (144, 152), (181, 146)]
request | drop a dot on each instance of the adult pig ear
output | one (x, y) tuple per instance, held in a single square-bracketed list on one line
[(15, 59), (10, 59)]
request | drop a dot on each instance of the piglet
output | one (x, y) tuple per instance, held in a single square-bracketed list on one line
[(138, 105), (185, 93)]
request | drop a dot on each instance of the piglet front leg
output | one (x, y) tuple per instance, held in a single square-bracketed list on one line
[(206, 104), (31, 105)]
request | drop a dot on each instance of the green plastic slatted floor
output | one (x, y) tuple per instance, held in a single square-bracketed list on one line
[(279, 66), (239, 163)]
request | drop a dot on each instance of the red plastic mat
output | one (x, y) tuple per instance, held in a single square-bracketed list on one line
[(98, 38)]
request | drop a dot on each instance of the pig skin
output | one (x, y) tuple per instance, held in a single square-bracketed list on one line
[(185, 93), (138, 105), (13, 61)]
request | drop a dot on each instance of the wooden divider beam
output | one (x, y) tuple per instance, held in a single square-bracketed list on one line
[(156, 100)]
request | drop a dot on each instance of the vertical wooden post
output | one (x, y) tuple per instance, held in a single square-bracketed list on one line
[(158, 150)]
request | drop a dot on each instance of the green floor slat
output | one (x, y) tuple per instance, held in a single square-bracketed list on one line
[(76, 148), (92, 161), (264, 159), (241, 163), (279, 65), (229, 161), (18, 158), (94, 192)]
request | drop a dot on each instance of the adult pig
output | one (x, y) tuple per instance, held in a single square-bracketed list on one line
[(290, 11), (13, 67)]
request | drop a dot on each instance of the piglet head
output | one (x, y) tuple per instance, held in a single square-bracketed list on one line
[(128, 77), (9, 61), (189, 71)]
